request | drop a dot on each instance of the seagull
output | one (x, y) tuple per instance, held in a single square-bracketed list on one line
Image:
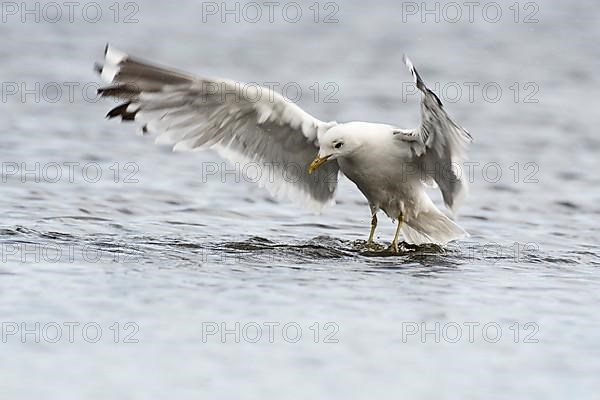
[(304, 156)]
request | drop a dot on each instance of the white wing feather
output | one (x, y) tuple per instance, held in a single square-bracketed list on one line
[(439, 145), (244, 123)]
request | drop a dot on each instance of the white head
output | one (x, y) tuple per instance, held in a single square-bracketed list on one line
[(339, 141)]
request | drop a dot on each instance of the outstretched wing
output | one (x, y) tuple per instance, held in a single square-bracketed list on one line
[(439, 145), (244, 123)]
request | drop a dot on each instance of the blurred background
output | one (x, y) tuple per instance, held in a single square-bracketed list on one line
[(130, 271)]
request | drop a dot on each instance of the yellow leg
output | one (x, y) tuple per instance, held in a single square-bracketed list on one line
[(373, 226), (394, 246)]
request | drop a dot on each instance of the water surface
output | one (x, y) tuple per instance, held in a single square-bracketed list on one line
[(177, 257)]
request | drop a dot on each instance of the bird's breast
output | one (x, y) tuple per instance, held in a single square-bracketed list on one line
[(384, 182)]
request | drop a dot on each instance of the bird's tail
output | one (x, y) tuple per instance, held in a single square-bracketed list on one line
[(431, 226)]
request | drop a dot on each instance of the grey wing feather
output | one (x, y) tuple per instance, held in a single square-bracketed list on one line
[(439, 145), (247, 124)]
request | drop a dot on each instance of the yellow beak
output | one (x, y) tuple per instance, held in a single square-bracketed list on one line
[(317, 162)]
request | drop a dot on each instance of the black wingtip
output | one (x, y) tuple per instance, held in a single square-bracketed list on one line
[(419, 81), (117, 111), (121, 111), (469, 135), (435, 96), (413, 70), (106, 49)]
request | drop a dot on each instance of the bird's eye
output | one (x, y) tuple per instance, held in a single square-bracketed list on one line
[(338, 145)]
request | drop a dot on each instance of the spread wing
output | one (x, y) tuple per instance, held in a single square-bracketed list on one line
[(244, 123), (439, 145)]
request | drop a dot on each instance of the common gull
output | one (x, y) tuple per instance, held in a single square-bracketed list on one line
[(248, 123)]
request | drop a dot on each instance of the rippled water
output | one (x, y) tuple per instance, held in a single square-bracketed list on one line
[(176, 254)]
